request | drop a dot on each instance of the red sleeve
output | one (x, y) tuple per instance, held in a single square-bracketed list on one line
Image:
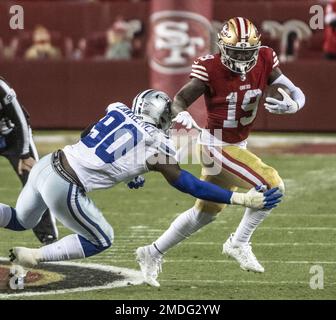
[(199, 70), (274, 59)]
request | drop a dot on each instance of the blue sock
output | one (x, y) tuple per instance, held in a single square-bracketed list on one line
[(14, 224), (89, 248)]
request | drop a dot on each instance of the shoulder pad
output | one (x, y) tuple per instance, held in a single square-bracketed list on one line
[(115, 105)]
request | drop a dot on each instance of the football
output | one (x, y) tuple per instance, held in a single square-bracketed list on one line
[(272, 91)]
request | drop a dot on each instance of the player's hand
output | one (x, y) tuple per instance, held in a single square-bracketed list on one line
[(256, 199), (136, 183), (26, 165), (185, 119), (285, 106)]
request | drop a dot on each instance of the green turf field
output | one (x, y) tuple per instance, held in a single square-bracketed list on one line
[(301, 233)]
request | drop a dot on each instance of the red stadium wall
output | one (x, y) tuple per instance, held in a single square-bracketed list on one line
[(71, 94), (63, 94)]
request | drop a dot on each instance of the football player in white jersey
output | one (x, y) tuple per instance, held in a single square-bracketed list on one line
[(119, 147)]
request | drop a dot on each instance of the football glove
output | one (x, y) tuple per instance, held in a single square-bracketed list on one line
[(256, 199), (136, 183), (286, 106), (185, 119)]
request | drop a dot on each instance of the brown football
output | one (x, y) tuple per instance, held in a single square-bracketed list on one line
[(272, 91)]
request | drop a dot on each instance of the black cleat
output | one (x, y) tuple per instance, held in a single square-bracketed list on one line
[(46, 230), (12, 256)]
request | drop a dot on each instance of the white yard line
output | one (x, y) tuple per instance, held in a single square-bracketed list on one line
[(221, 261), (126, 244), (241, 282), (291, 228)]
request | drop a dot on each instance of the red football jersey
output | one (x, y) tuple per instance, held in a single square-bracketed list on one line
[(232, 103), (329, 45)]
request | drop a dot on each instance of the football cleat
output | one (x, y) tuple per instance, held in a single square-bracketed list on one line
[(46, 231), (24, 256), (16, 277), (149, 265), (243, 255)]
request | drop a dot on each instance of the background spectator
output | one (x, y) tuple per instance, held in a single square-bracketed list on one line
[(119, 45), (329, 46), (42, 48)]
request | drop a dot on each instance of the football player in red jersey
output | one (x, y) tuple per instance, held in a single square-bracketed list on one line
[(232, 83), (329, 46)]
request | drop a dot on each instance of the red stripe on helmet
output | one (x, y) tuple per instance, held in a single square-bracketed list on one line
[(238, 28)]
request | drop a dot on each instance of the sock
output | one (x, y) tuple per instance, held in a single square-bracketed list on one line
[(70, 247), (89, 248), (181, 228), (67, 248), (251, 220), (8, 218)]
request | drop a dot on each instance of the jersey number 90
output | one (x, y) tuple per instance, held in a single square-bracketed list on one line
[(112, 137)]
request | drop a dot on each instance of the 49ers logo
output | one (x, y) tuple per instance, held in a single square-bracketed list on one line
[(177, 38)]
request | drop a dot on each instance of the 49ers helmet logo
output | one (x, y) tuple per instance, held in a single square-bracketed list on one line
[(178, 37)]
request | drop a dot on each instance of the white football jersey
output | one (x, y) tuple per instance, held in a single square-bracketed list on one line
[(116, 149)]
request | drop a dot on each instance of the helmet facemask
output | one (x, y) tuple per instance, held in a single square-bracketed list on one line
[(239, 59)]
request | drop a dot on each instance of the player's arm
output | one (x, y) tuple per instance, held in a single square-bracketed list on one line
[(16, 114), (185, 182), (189, 93), (290, 103)]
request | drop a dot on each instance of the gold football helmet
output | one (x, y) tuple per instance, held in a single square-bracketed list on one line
[(239, 43)]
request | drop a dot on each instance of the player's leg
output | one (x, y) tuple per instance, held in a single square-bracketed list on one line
[(187, 223), (246, 170), (92, 233), (29, 207), (46, 230)]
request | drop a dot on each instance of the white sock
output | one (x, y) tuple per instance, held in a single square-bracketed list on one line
[(67, 248), (5, 215), (181, 228), (251, 220)]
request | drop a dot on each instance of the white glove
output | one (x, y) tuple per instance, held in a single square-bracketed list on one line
[(186, 120), (286, 106), (255, 199)]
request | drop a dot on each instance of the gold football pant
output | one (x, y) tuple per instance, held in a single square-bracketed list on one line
[(231, 167)]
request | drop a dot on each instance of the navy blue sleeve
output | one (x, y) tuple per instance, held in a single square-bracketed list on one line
[(187, 183)]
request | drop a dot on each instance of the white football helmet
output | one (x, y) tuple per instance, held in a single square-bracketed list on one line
[(154, 107)]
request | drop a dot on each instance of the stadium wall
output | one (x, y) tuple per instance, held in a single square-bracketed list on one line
[(72, 94)]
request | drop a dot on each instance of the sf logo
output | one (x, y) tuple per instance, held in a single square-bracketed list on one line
[(174, 37)]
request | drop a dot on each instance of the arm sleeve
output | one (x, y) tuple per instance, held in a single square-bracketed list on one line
[(199, 71), (297, 93), (275, 60), (187, 183), (17, 116)]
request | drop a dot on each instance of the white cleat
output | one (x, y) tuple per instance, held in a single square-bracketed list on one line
[(243, 255), (24, 256), (149, 265), (16, 277)]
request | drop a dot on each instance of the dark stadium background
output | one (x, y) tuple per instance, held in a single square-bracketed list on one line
[(70, 93)]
